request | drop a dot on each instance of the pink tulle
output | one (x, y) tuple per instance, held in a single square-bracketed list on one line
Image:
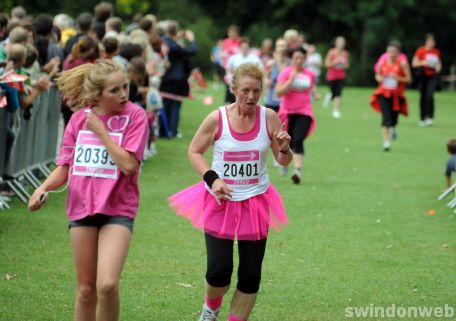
[(245, 220)]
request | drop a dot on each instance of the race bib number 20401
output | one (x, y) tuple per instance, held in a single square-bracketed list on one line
[(241, 168), (91, 157)]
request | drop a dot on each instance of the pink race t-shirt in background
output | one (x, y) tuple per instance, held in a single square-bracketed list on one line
[(230, 47), (335, 72), (297, 99), (384, 57), (90, 195)]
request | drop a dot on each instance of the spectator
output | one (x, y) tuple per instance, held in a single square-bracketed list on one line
[(3, 27), (18, 13), (84, 24), (43, 25), (110, 48), (103, 11), (66, 26), (174, 80), (134, 23), (113, 27), (98, 31)]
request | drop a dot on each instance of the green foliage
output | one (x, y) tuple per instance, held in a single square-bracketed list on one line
[(368, 25), (130, 7)]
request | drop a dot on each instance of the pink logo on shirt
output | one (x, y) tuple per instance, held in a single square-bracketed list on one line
[(118, 123), (244, 156)]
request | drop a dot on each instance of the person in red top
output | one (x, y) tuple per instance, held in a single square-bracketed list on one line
[(337, 62), (389, 99), (428, 59)]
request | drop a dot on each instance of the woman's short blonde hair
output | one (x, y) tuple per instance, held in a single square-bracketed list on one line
[(247, 70), (81, 86)]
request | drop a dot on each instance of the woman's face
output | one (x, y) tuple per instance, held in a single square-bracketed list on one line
[(244, 48), (430, 43), (281, 46), (310, 49), (340, 42), (115, 93), (298, 59), (247, 92), (393, 52)]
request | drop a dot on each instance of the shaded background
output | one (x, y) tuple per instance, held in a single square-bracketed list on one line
[(368, 25)]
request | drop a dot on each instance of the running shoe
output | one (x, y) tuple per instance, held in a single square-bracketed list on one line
[(296, 179), (327, 100), (422, 123), (386, 147), (336, 113), (152, 150), (429, 122), (208, 314)]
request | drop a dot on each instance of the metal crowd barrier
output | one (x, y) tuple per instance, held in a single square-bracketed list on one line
[(3, 115), (35, 145)]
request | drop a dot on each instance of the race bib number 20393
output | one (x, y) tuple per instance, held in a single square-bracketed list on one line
[(91, 157)]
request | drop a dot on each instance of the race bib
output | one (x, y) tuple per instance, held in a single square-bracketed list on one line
[(432, 60), (241, 168), (91, 157), (301, 82), (341, 64), (389, 83)]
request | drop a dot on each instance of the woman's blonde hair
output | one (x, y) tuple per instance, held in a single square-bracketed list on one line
[(247, 70), (81, 85)]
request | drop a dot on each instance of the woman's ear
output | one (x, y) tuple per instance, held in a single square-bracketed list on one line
[(232, 89)]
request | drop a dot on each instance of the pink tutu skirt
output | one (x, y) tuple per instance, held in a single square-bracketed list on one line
[(250, 219)]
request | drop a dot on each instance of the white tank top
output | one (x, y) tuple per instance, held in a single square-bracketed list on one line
[(241, 164)]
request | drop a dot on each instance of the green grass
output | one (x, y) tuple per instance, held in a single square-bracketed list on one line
[(358, 231)]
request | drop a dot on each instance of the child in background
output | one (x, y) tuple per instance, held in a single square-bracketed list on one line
[(451, 163), (109, 48), (216, 58), (143, 91)]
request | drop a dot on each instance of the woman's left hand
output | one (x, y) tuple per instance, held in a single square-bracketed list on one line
[(94, 124), (282, 137)]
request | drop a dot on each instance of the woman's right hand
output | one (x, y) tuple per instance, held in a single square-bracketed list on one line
[(221, 190), (294, 73), (38, 198)]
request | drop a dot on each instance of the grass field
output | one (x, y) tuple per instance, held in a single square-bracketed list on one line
[(358, 234)]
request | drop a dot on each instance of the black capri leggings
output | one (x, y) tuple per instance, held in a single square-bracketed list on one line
[(298, 127), (427, 87), (220, 263), (389, 116), (336, 87)]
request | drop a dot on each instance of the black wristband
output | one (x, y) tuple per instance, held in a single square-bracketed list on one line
[(285, 151), (209, 177)]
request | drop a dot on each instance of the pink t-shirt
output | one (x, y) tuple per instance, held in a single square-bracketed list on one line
[(95, 184), (230, 47), (384, 57), (337, 72), (297, 99)]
